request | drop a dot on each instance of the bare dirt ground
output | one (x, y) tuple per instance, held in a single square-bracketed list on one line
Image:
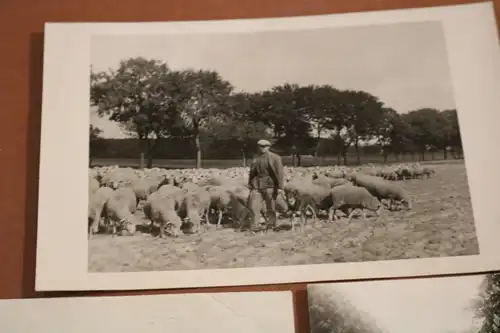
[(439, 225)]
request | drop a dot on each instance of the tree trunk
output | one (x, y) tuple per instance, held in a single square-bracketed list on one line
[(243, 158), (318, 144), (150, 144), (445, 153), (344, 155), (356, 147), (141, 161), (198, 149), (338, 159), (90, 161), (385, 157), (299, 159)]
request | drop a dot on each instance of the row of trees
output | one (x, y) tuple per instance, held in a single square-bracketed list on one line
[(488, 304), (330, 312), (152, 102)]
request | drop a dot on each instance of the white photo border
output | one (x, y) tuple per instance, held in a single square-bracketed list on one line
[(62, 248), (247, 311)]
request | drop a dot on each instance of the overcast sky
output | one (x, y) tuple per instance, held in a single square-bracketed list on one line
[(438, 305), (405, 64)]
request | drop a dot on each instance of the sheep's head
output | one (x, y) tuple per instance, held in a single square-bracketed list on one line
[(375, 205), (406, 204), (127, 228)]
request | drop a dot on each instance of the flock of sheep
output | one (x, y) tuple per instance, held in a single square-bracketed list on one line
[(184, 200)]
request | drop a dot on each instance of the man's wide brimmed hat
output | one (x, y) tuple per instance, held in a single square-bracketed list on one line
[(264, 143)]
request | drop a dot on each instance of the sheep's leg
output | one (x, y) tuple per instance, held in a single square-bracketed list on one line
[(331, 214), (91, 229), (303, 221), (219, 218), (313, 212), (292, 220), (207, 218), (351, 215), (94, 228), (161, 233), (151, 226), (113, 229), (89, 232)]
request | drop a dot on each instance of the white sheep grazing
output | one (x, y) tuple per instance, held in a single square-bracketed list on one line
[(120, 208), (239, 205), (142, 187), (383, 189), (220, 198), (117, 177), (176, 192), (160, 208), (335, 174), (196, 204), (428, 172), (347, 197), (329, 182), (97, 201)]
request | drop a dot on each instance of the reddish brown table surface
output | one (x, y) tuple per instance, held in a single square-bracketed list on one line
[(22, 24)]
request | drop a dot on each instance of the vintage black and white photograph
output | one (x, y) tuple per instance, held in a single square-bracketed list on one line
[(275, 148), (461, 304), (246, 312), (263, 151)]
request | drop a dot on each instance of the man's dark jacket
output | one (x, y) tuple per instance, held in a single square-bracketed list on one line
[(267, 168)]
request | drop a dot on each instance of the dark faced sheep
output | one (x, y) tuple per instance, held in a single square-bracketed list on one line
[(303, 196)]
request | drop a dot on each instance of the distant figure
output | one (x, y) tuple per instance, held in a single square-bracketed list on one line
[(267, 177)]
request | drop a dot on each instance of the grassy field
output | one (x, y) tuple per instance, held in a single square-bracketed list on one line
[(440, 224)]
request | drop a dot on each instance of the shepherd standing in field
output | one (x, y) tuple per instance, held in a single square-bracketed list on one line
[(267, 177)]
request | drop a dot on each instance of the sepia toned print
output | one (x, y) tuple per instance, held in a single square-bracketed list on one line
[(462, 304), (266, 151), (191, 147)]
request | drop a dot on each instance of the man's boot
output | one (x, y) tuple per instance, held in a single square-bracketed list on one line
[(271, 220)]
